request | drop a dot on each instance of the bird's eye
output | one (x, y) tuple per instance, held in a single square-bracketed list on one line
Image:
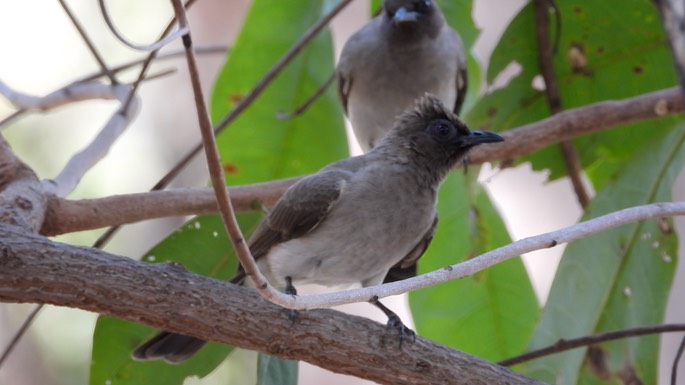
[(422, 5), (442, 130)]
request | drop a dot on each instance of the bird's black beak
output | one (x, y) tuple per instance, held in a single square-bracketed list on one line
[(402, 15), (478, 137)]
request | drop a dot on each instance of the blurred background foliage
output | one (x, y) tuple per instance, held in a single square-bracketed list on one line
[(617, 279)]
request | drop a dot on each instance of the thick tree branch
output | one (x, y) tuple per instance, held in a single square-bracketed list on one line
[(579, 121), (65, 216), (35, 269), (22, 199)]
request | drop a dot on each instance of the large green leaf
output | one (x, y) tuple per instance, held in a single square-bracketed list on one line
[(491, 314), (626, 54), (616, 279), (256, 147)]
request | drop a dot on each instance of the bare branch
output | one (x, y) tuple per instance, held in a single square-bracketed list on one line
[(72, 93), (35, 269), (563, 345), (474, 265), (216, 170), (101, 62), (67, 216), (84, 160), (568, 148), (164, 40), (579, 121), (257, 90)]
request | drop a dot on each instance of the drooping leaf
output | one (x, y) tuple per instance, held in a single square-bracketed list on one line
[(616, 279), (491, 314), (258, 146), (276, 371)]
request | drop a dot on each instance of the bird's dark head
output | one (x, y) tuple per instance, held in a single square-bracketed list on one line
[(413, 15), (434, 135)]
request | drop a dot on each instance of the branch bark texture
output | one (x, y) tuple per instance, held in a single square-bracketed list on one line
[(36, 269)]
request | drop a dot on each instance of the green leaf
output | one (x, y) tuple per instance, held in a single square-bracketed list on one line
[(275, 371), (259, 147), (616, 279), (626, 54), (491, 314)]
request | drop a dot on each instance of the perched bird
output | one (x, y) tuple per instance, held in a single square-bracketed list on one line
[(404, 52), (354, 220)]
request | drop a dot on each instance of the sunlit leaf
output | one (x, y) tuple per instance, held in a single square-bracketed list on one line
[(616, 279)]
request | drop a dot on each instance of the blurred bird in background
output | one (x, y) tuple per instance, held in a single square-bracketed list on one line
[(404, 52)]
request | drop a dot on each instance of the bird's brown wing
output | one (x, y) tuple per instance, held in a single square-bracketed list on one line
[(300, 210), (407, 268)]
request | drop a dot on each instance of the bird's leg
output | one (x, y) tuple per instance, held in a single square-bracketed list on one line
[(290, 289), (394, 321)]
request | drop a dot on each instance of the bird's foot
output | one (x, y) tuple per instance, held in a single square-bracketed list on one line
[(395, 322), (290, 289)]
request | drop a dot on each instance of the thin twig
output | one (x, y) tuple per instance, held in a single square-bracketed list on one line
[(101, 62), (164, 40), (304, 106), (72, 93), (256, 90), (216, 172), (568, 148), (111, 232), (474, 265), (563, 345), (20, 333), (676, 361)]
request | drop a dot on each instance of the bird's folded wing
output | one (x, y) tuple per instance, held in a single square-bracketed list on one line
[(300, 210)]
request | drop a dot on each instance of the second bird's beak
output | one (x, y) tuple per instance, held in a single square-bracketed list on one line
[(478, 137), (403, 16)]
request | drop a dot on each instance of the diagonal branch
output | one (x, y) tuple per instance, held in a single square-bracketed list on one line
[(563, 345), (257, 90), (216, 171), (493, 257), (65, 216), (35, 269)]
